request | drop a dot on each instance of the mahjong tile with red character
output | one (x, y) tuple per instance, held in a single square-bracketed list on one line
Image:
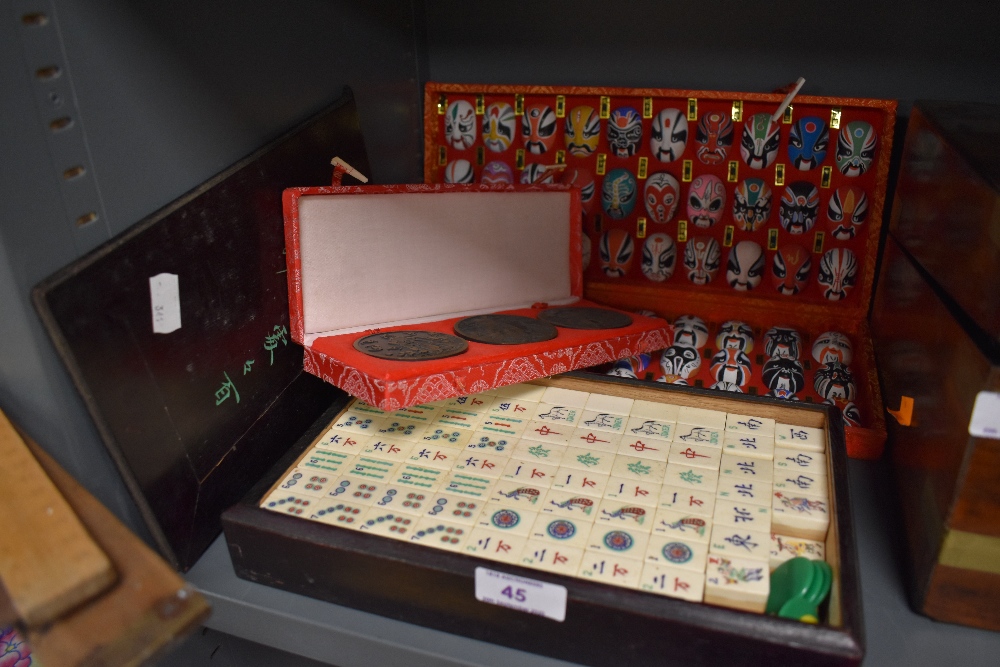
[(424, 413), (509, 408), (360, 407), (746, 444), (634, 467), (486, 443), (682, 453), (418, 476), (325, 461), (541, 452), (562, 415), (530, 472), (459, 418), (784, 547), (800, 483), (455, 509), (477, 402), (610, 569), (468, 485), (401, 429), (587, 459), (507, 518), (689, 477), (749, 424), (431, 456), (387, 523), (361, 423), (389, 450), (613, 404), (691, 501), (742, 515), (558, 502), (438, 435), (682, 524), (597, 440), (495, 545), (698, 435), (788, 460), (672, 581), (580, 481), (605, 422), (643, 447), (712, 419), (644, 427), (659, 411), (800, 437), (738, 583), (543, 555), (523, 392), (622, 514), (618, 541), (745, 467), (563, 531), (286, 502), (306, 482), (359, 491), (800, 515), (676, 552), (440, 534), (735, 542), (481, 464), (633, 491), (339, 513), (741, 490), (501, 425), (344, 442), (518, 494), (552, 434), (370, 467)]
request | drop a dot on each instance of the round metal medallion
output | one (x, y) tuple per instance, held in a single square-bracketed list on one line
[(505, 329), (411, 345), (585, 318)]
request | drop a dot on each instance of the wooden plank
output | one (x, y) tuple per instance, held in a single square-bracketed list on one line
[(48, 562), (148, 609)]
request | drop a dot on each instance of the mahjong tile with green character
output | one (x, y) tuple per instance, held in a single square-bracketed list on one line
[(588, 459), (540, 452), (634, 467), (689, 477)]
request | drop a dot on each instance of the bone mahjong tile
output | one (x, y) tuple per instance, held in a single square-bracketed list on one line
[(401, 429), (713, 419), (747, 444), (800, 437), (563, 415), (617, 542), (488, 443), (455, 509), (800, 516), (495, 545), (284, 501), (559, 502), (689, 477), (482, 464), (676, 552), (692, 501), (659, 411), (367, 466), (403, 500), (785, 547), (387, 523), (552, 434), (358, 422), (518, 494), (424, 413), (420, 477), (569, 397), (643, 447), (506, 408), (434, 532), (742, 515), (389, 450), (337, 512), (345, 442), (591, 484), (735, 542), (307, 482), (561, 531), (531, 473), (468, 485), (543, 555), (610, 569), (672, 581), (599, 440), (682, 525), (459, 418), (810, 463), (524, 392), (359, 491), (501, 425), (681, 453), (588, 459), (738, 583), (800, 483), (430, 456), (327, 462), (633, 491), (476, 402), (605, 422), (644, 427), (749, 424), (438, 435), (507, 518), (745, 467), (634, 467), (360, 407), (747, 491), (698, 435), (541, 452), (613, 404), (622, 514)]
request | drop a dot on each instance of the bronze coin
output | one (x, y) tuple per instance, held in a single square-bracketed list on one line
[(505, 329), (576, 317), (411, 345)]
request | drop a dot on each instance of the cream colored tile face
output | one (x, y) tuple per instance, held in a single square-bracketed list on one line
[(685, 502)]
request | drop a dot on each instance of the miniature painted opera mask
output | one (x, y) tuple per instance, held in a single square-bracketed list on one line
[(852, 416), (807, 142), (496, 172), (784, 378), (669, 135), (538, 129), (832, 346), (586, 250), (680, 361), (847, 210), (751, 204), (834, 382), (838, 271), (759, 144), (616, 250), (536, 172), (855, 148), (460, 125), (583, 179), (659, 255), (618, 193), (630, 367), (706, 199), (727, 386), (782, 343), (702, 257), (790, 269), (736, 335), (459, 171), (499, 126), (690, 331), (745, 266), (624, 131), (662, 193), (799, 207), (583, 131), (731, 365), (714, 136)]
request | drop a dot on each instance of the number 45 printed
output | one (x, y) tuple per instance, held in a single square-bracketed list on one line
[(528, 595)]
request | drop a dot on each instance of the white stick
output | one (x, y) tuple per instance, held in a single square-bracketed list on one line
[(788, 100), (348, 169)]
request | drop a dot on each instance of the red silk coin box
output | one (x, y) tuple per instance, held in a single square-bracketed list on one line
[(377, 259), (701, 203)]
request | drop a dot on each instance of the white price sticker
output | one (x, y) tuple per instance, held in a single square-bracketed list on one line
[(534, 597), (165, 297), (985, 422)]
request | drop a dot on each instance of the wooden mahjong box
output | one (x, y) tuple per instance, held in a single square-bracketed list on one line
[(647, 503), (702, 208)]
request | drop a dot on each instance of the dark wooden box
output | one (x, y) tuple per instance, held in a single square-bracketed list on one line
[(604, 625)]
